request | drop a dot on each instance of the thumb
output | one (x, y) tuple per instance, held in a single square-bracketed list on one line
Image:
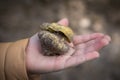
[(64, 22)]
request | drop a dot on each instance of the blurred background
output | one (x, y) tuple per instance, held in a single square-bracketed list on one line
[(21, 19)]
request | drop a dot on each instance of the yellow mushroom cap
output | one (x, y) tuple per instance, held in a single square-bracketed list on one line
[(54, 27), (64, 29)]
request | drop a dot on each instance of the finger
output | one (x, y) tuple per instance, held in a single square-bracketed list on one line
[(92, 55), (64, 22), (76, 60), (108, 38), (84, 38), (97, 44)]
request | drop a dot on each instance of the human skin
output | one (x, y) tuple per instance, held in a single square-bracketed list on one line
[(83, 48)]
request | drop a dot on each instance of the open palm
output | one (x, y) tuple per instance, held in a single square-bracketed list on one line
[(83, 48)]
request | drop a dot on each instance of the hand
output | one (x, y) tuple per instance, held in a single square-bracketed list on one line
[(82, 49)]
